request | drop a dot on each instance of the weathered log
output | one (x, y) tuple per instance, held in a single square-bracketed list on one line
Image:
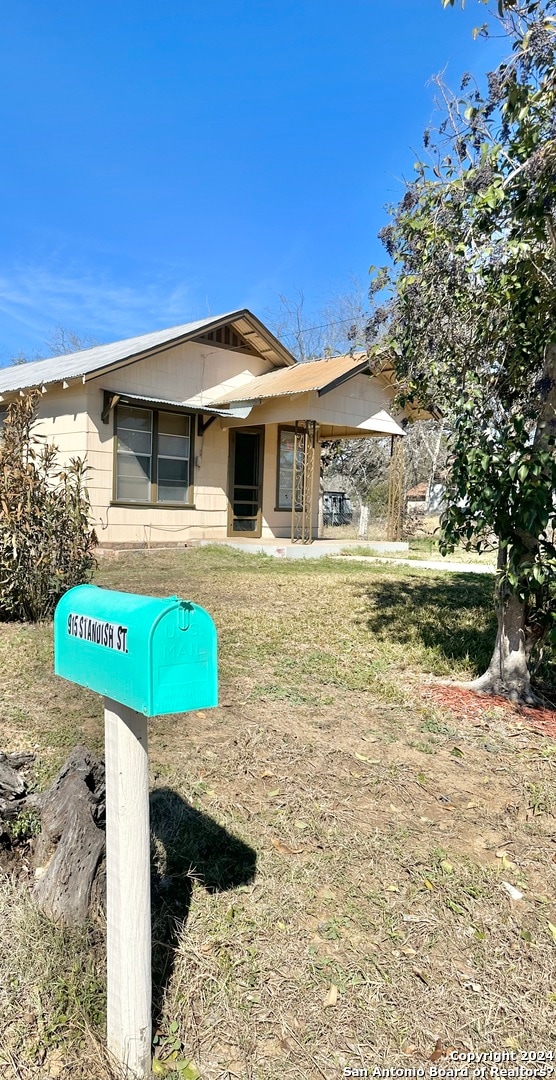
[(10, 808), (13, 787), (85, 765), (63, 891), (17, 760), (69, 851)]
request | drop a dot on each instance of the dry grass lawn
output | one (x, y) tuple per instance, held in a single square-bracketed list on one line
[(329, 848)]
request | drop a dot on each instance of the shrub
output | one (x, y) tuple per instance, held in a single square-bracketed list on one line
[(46, 542), (377, 500)]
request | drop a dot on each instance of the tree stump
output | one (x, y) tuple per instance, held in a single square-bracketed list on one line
[(68, 855), (69, 852)]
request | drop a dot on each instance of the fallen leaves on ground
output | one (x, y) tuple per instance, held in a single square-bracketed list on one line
[(512, 892), (440, 1051), (469, 705), (283, 849)]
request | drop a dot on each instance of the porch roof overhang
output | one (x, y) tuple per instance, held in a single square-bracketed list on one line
[(379, 425), (310, 391), (320, 377), (306, 391), (117, 397)]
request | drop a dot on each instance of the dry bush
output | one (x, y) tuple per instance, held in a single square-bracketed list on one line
[(45, 538)]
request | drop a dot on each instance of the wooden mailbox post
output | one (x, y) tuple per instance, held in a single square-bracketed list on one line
[(147, 657)]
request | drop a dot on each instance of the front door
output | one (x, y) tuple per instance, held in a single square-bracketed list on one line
[(245, 482)]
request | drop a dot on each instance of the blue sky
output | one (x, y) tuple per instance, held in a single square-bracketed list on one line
[(164, 161)]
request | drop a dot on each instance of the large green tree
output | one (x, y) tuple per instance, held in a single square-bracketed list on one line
[(472, 320)]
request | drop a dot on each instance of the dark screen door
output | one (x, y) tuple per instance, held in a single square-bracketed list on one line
[(246, 458)]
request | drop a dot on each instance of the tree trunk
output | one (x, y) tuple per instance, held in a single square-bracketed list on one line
[(363, 522), (320, 526), (508, 672)]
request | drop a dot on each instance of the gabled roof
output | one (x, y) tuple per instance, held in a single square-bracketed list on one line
[(418, 492), (91, 362), (319, 375)]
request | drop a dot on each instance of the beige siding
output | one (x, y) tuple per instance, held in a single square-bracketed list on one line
[(182, 372), (178, 374), (353, 403), (62, 419)]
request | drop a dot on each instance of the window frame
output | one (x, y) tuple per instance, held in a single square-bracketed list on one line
[(189, 503), (277, 507)]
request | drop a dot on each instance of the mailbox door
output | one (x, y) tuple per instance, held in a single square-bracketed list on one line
[(184, 674)]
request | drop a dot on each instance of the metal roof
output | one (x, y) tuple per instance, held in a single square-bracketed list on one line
[(91, 361), (320, 375), (124, 398), (417, 492)]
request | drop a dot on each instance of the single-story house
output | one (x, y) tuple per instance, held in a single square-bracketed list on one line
[(425, 498), (417, 499), (203, 431)]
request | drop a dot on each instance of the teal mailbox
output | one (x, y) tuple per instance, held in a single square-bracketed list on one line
[(155, 656)]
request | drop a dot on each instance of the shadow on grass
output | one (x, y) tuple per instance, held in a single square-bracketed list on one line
[(194, 848), (452, 616)]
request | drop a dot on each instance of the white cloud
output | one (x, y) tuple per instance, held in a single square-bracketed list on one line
[(38, 298)]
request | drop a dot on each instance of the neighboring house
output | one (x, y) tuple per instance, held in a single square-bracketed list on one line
[(203, 430), (417, 499), (336, 508), (423, 499)]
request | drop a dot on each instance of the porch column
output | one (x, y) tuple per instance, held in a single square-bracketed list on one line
[(305, 447)]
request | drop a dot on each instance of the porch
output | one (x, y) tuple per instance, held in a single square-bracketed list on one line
[(292, 549), (275, 492)]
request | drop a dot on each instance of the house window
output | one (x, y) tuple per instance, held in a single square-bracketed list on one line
[(173, 456), (286, 440), (153, 456), (134, 440)]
